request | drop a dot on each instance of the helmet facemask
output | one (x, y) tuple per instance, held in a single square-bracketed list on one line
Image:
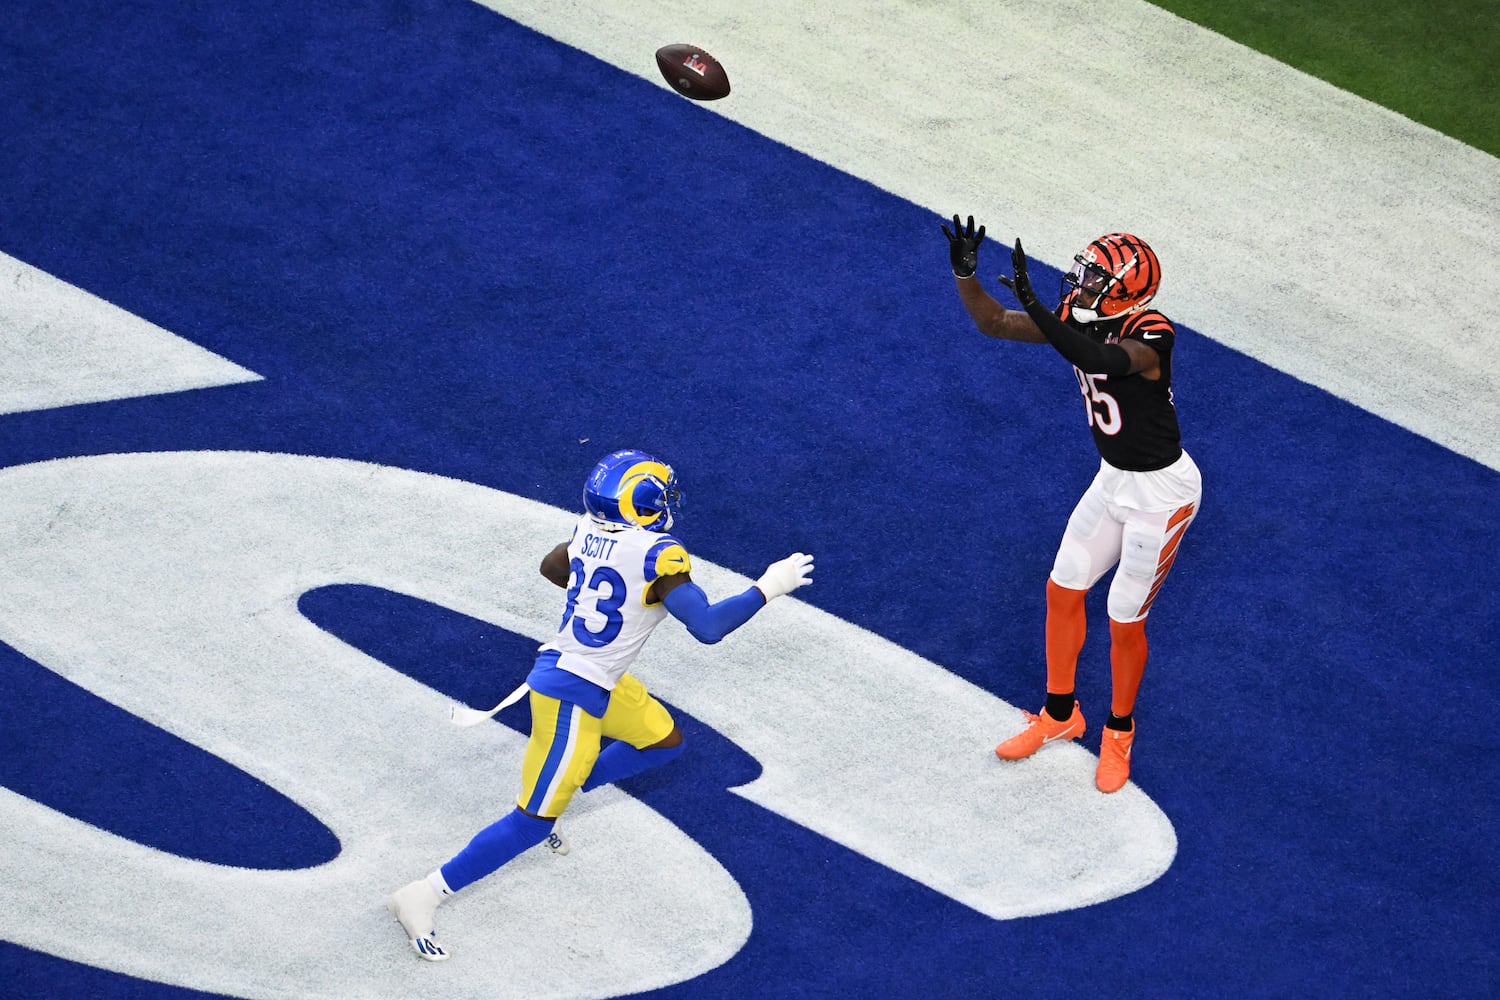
[(1087, 280)]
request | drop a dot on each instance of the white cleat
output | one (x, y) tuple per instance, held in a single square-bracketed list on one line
[(555, 843), (415, 907)]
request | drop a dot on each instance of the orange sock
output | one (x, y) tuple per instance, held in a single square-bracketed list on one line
[(1066, 625), (1127, 662)]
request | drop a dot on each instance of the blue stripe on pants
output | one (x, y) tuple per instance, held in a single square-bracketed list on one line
[(561, 733)]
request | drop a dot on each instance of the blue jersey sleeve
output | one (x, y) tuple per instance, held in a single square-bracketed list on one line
[(711, 622)]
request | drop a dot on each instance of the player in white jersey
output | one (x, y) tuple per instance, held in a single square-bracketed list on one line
[(624, 574)]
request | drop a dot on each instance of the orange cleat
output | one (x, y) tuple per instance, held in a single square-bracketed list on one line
[(1114, 760), (1040, 730)]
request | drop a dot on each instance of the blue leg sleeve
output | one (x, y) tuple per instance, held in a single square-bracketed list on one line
[(620, 760), (493, 846)]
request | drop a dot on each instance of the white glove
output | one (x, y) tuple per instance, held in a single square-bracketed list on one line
[(785, 576)]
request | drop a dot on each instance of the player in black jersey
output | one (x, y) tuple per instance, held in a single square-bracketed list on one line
[(1146, 492)]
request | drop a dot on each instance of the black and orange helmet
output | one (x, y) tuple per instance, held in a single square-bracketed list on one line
[(1120, 269)]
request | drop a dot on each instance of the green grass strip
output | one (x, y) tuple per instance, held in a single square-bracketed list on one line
[(1437, 61)]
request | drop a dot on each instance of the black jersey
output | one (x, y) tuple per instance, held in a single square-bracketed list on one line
[(1132, 417)]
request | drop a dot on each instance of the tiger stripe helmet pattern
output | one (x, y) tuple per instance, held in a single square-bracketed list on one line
[(1120, 269), (631, 489)]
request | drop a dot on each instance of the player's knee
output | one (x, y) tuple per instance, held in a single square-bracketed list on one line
[(1071, 568), (1127, 606), (672, 739)]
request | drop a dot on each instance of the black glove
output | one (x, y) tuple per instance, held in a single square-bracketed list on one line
[(963, 248), (1021, 285)]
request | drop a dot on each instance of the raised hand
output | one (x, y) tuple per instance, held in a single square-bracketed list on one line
[(963, 247), (1021, 284), (785, 576)]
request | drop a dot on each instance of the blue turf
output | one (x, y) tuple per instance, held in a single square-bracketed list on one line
[(455, 246)]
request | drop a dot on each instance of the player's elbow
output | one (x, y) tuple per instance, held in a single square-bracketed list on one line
[(555, 566), (709, 623), (990, 323), (706, 634)]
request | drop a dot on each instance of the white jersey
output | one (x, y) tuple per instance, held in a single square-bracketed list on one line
[(607, 619)]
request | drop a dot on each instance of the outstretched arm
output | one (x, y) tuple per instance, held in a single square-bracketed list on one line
[(989, 316), (709, 623), (1125, 358)]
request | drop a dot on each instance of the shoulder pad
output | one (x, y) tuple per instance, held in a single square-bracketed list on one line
[(666, 558), (1148, 321)]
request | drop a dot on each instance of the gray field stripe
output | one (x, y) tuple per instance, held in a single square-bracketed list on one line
[(64, 346), (1324, 235)]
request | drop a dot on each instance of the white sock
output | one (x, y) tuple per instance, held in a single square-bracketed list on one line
[(439, 884)]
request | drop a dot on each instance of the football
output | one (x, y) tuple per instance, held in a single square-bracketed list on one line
[(692, 72)]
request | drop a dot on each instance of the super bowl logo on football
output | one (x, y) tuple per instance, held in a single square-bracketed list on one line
[(692, 72)]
